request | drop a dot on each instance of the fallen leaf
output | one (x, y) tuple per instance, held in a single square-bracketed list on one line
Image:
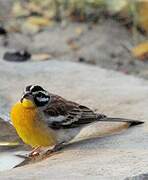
[(38, 21), (41, 57), (142, 7), (34, 24), (141, 51)]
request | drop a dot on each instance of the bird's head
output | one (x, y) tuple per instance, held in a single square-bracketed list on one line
[(35, 96)]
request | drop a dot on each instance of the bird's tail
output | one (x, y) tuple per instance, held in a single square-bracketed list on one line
[(129, 121)]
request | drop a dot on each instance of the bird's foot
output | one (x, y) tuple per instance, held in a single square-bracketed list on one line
[(35, 152), (36, 156)]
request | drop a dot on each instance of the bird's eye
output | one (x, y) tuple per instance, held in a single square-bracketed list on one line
[(40, 95), (41, 99)]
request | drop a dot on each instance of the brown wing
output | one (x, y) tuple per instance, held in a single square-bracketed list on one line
[(74, 115)]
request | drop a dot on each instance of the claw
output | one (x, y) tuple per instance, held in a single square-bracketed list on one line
[(36, 156), (35, 152)]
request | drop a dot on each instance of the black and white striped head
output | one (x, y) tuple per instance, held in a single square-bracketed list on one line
[(37, 95)]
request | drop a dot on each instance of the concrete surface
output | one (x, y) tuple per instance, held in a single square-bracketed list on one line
[(118, 156)]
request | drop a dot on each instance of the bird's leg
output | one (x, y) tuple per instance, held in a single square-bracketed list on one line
[(35, 152), (56, 148), (36, 156)]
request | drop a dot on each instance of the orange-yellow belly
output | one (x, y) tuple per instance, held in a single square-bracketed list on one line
[(30, 129)]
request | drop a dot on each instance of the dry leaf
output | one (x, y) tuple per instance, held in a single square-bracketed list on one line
[(41, 57), (38, 21), (141, 51), (143, 14)]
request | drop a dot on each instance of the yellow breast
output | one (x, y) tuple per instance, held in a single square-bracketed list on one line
[(31, 129)]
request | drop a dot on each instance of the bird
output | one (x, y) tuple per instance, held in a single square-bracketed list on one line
[(43, 119)]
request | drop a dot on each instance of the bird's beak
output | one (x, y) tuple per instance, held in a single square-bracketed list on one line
[(26, 101), (26, 95)]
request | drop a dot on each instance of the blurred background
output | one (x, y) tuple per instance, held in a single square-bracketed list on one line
[(107, 33)]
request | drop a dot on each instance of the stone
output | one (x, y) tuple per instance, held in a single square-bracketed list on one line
[(121, 155)]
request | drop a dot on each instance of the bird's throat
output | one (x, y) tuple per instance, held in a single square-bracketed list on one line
[(28, 103)]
